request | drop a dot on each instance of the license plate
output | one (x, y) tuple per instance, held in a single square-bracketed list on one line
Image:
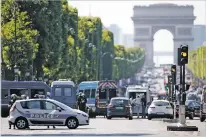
[(160, 113), (102, 106), (119, 107)]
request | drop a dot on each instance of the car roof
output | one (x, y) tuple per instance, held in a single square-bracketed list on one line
[(124, 98), (54, 83), (161, 101), (34, 99)]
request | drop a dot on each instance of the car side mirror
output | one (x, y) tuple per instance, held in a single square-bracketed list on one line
[(58, 108)]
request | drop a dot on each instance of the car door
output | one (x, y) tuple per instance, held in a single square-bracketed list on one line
[(32, 110), (54, 114)]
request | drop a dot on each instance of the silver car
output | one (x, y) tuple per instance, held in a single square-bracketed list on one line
[(119, 107)]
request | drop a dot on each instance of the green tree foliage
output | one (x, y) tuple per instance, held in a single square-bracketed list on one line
[(128, 61), (60, 44), (22, 50)]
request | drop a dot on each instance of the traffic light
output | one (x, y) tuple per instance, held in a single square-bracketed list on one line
[(173, 72), (184, 54), (169, 79), (173, 69), (166, 87)]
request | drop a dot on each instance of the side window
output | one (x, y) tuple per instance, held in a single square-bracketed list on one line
[(4, 93), (34, 104), (68, 92), (37, 91), (24, 104), (50, 106), (19, 92), (93, 93), (57, 92)]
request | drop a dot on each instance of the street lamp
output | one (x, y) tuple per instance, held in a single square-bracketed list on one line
[(16, 71)]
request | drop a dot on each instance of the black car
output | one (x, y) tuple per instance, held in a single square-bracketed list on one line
[(192, 109), (119, 107)]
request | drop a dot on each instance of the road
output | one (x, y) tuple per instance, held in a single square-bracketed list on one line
[(103, 127)]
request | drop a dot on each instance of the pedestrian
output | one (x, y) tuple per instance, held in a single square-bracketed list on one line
[(11, 102), (137, 103), (143, 102)]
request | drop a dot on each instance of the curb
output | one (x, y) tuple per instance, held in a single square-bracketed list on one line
[(171, 120)]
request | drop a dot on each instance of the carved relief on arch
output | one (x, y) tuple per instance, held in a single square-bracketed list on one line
[(142, 31), (184, 31), (157, 28)]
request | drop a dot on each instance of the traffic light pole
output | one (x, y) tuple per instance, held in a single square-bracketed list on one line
[(182, 60), (182, 119)]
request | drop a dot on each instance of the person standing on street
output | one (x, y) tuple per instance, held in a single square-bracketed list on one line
[(82, 100), (143, 102), (137, 103), (11, 102)]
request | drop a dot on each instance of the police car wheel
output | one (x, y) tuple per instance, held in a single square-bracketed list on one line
[(21, 123), (72, 123)]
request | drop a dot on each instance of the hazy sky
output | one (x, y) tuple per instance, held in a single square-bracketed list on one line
[(120, 13)]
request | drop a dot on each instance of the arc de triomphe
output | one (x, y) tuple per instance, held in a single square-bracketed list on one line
[(179, 20)]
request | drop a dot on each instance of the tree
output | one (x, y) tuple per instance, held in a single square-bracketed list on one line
[(19, 49)]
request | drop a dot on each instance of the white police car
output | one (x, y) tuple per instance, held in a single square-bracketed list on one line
[(45, 112)]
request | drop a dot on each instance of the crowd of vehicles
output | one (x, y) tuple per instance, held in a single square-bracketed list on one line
[(102, 100)]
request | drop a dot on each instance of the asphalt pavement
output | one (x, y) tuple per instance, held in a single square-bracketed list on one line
[(103, 127)]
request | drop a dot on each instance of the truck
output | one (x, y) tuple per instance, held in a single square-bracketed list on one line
[(106, 90)]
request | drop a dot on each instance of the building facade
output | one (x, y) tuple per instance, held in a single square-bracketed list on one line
[(128, 40), (117, 32)]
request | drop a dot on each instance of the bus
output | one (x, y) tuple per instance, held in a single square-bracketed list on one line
[(64, 91), (138, 90), (106, 90), (89, 88), (28, 88)]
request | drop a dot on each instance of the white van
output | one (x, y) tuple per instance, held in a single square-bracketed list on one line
[(133, 91)]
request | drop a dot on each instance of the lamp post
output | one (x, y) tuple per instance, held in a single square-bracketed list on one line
[(103, 55), (16, 71)]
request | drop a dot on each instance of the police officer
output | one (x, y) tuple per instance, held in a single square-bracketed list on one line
[(11, 102), (82, 100)]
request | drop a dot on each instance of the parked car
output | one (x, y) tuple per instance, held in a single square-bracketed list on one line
[(119, 107), (45, 112)]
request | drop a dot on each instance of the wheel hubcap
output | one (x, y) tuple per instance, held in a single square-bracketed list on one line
[(72, 123), (21, 123)]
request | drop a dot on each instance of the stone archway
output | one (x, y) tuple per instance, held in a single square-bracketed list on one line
[(179, 20)]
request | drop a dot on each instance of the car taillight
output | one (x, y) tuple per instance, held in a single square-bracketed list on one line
[(13, 108)]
